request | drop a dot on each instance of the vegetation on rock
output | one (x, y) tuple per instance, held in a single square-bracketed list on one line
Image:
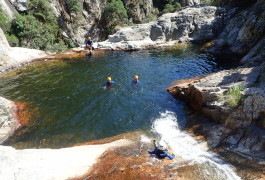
[(171, 7), (234, 96), (113, 15), (37, 28), (167, 6), (73, 6)]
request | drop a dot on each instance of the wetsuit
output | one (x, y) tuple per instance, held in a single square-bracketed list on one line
[(89, 44), (108, 84), (136, 83), (161, 153)]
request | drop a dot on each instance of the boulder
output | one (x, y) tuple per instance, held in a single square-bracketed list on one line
[(20, 5), (8, 120), (191, 24), (4, 49), (189, 2), (7, 8)]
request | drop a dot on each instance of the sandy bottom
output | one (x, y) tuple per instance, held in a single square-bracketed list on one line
[(49, 164)]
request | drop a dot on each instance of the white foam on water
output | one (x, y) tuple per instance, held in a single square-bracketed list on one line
[(183, 145)]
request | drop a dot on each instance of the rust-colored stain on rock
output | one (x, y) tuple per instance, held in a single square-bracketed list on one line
[(22, 113)]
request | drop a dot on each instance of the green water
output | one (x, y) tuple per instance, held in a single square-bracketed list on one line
[(69, 104)]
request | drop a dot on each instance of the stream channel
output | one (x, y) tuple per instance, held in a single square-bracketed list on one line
[(69, 104)]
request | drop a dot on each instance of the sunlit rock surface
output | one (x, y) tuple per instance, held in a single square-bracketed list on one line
[(243, 126), (48, 164), (8, 120), (190, 24), (10, 56)]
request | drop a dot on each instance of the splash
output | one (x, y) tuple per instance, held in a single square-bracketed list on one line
[(184, 146)]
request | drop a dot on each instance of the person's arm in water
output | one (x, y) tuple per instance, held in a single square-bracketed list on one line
[(113, 82)]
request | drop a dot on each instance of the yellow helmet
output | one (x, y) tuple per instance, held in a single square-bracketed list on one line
[(108, 78), (89, 38), (136, 77)]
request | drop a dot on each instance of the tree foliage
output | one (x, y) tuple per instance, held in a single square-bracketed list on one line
[(167, 6), (173, 6), (37, 29), (41, 10), (114, 14), (73, 6)]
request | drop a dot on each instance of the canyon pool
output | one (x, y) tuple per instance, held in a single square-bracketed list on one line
[(68, 103)]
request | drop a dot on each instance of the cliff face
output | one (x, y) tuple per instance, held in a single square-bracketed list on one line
[(244, 32), (78, 26), (239, 128), (198, 24)]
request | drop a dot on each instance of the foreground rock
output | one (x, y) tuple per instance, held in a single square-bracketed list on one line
[(198, 24), (11, 56), (8, 120), (48, 164), (242, 127)]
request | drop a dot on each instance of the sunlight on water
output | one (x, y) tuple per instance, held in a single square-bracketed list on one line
[(184, 146)]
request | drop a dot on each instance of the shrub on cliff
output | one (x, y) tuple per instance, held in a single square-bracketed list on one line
[(41, 10), (73, 6), (113, 15), (32, 33), (169, 8), (234, 96)]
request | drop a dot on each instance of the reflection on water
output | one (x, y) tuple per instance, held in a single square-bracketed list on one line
[(73, 107)]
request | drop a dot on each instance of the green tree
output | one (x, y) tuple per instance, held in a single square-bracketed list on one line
[(171, 7), (73, 6), (114, 14), (167, 6), (41, 10), (36, 34)]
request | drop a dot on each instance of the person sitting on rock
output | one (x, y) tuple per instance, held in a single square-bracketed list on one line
[(89, 44), (161, 152)]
